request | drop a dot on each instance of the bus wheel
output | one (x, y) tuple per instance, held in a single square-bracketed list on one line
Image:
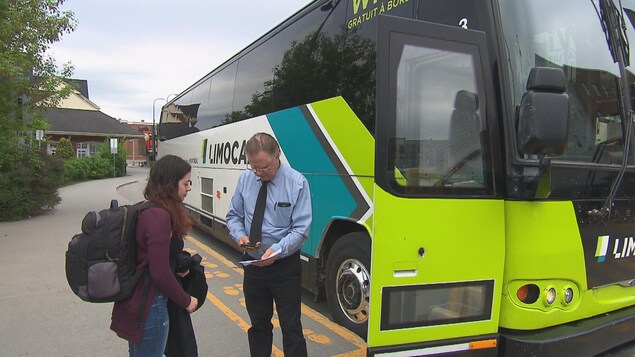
[(348, 282)]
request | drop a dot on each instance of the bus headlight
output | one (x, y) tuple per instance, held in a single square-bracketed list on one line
[(567, 295), (550, 295)]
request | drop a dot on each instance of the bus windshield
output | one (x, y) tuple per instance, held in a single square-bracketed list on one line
[(537, 35)]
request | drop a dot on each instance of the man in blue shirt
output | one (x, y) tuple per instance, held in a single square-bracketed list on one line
[(285, 228)]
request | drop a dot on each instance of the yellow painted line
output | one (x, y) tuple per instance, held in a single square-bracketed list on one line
[(237, 319), (342, 332), (214, 254), (339, 330), (357, 353), (228, 312)]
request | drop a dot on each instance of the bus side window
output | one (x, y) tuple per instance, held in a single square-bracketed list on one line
[(306, 50), (222, 95), (252, 97)]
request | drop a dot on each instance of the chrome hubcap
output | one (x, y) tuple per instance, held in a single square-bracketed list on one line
[(353, 290)]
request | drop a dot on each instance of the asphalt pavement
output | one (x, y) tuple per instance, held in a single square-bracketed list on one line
[(41, 316)]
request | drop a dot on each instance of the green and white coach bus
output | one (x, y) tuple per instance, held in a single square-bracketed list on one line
[(471, 165)]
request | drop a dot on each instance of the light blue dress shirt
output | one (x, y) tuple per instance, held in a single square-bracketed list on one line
[(287, 212)]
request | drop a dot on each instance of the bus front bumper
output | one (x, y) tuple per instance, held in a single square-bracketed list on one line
[(588, 337)]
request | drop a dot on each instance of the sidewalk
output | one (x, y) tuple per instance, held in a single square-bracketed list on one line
[(39, 315)]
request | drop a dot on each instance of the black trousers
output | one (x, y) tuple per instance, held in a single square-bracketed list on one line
[(279, 282)]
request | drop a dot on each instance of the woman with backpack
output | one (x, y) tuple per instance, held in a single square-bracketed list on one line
[(143, 319)]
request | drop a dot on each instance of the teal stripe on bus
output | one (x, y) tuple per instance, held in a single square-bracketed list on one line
[(303, 151)]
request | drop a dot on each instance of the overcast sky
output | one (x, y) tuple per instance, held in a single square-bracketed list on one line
[(134, 51)]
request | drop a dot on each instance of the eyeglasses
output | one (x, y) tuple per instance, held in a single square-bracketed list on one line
[(261, 169)]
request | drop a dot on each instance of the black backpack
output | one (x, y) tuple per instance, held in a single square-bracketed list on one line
[(101, 261)]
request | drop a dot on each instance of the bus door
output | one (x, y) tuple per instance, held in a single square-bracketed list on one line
[(438, 238)]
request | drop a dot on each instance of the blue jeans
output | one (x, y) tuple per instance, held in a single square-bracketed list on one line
[(155, 332)]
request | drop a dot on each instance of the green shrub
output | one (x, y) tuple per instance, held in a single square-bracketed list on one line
[(96, 167), (73, 171), (87, 168), (119, 164), (29, 180)]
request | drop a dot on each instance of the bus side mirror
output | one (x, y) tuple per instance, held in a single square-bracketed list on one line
[(543, 116)]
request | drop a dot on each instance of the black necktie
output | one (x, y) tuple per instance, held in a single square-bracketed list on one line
[(259, 213)]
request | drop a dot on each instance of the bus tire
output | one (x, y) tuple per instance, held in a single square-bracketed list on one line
[(348, 282)]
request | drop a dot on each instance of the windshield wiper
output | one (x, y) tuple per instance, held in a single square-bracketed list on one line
[(614, 28)]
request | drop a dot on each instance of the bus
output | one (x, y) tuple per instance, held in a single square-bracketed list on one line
[(471, 167)]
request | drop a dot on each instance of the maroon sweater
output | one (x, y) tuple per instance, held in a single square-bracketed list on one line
[(154, 232)]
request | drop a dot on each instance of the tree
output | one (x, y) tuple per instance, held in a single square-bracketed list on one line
[(28, 75), (64, 149), (30, 82)]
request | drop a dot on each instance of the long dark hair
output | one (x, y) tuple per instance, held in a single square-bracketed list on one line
[(163, 188)]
